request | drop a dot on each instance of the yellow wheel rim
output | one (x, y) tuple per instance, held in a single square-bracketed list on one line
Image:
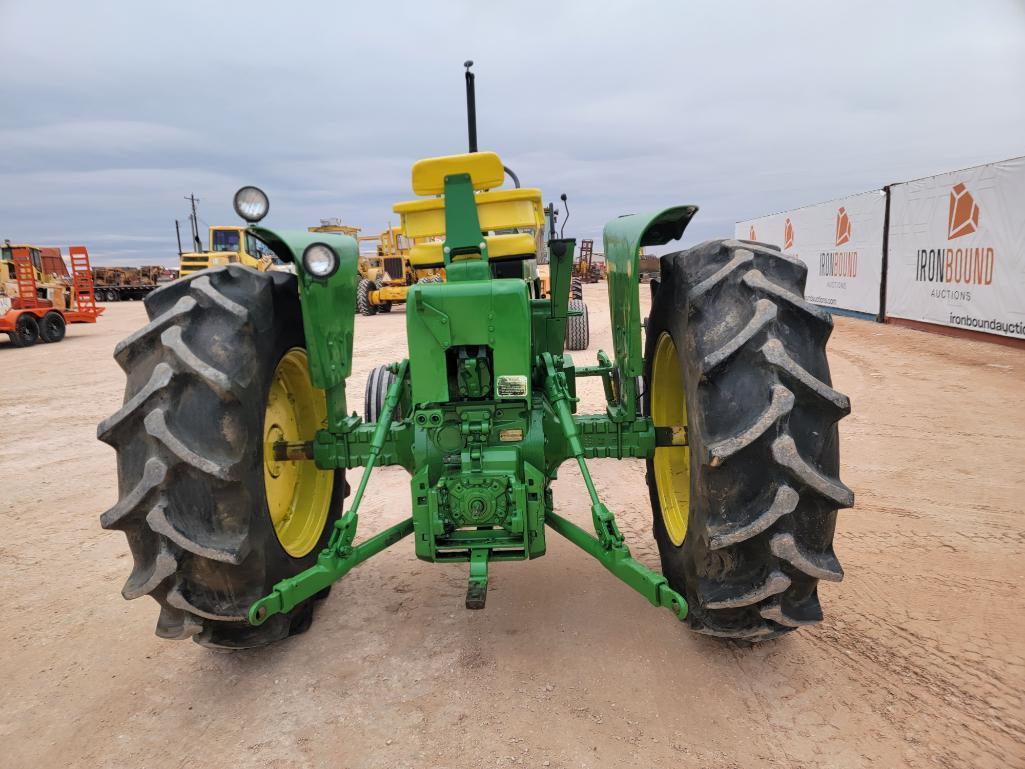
[(298, 493), (672, 463)]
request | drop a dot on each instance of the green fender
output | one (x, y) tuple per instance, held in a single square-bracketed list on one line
[(328, 306), (624, 237)]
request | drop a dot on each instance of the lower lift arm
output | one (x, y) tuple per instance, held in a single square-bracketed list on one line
[(608, 547), (340, 556)]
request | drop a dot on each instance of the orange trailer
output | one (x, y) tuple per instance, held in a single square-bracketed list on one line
[(38, 298)]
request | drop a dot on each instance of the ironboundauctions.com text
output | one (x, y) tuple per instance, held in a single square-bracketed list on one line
[(983, 324)]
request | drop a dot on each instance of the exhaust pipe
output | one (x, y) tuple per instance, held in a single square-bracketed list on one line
[(471, 107)]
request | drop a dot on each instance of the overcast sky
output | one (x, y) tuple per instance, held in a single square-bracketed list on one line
[(114, 111)]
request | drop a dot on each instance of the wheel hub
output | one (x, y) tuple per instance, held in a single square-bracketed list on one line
[(298, 493), (672, 463)]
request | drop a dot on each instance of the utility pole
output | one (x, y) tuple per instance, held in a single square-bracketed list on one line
[(195, 222), (178, 232)]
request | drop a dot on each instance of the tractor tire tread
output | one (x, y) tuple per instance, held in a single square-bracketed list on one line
[(378, 382), (762, 417), (578, 335), (187, 469), (363, 303)]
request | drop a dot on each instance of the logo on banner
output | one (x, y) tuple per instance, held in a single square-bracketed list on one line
[(963, 218), (838, 264), (966, 266), (751, 233), (788, 235), (843, 227)]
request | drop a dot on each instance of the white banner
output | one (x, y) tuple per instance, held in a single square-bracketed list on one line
[(957, 249), (841, 242)]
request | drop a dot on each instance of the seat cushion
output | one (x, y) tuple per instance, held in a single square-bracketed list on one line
[(513, 245)]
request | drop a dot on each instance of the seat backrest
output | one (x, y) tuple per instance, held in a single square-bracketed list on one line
[(485, 170), (514, 215)]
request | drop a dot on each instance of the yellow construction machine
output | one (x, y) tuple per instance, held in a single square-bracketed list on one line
[(385, 271), (229, 244)]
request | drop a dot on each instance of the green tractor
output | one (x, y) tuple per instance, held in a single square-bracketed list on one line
[(236, 434)]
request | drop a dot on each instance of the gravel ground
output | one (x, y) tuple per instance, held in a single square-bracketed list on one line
[(919, 663)]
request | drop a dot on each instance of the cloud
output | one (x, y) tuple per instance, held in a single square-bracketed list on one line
[(96, 138), (742, 108)]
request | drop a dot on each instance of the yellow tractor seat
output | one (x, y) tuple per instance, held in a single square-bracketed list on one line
[(518, 244), (485, 170)]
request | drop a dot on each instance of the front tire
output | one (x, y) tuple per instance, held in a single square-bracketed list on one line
[(209, 528), (744, 514), (363, 303), (383, 306)]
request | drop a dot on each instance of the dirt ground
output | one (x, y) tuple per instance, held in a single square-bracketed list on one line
[(920, 661)]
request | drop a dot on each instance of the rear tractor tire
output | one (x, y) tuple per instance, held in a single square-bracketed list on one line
[(578, 332), (363, 303), (212, 519), (744, 514), (576, 289)]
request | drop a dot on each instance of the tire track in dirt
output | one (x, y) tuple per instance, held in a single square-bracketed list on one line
[(932, 684)]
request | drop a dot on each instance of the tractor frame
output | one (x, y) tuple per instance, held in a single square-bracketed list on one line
[(482, 413)]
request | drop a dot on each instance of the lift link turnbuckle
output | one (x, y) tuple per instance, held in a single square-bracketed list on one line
[(340, 556), (609, 547)]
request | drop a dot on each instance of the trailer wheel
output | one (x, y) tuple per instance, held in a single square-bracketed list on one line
[(376, 391), (212, 519), (26, 330), (52, 327), (363, 303), (744, 514), (578, 332)]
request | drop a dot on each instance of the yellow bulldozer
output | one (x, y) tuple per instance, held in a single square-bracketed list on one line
[(229, 244), (385, 272)]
